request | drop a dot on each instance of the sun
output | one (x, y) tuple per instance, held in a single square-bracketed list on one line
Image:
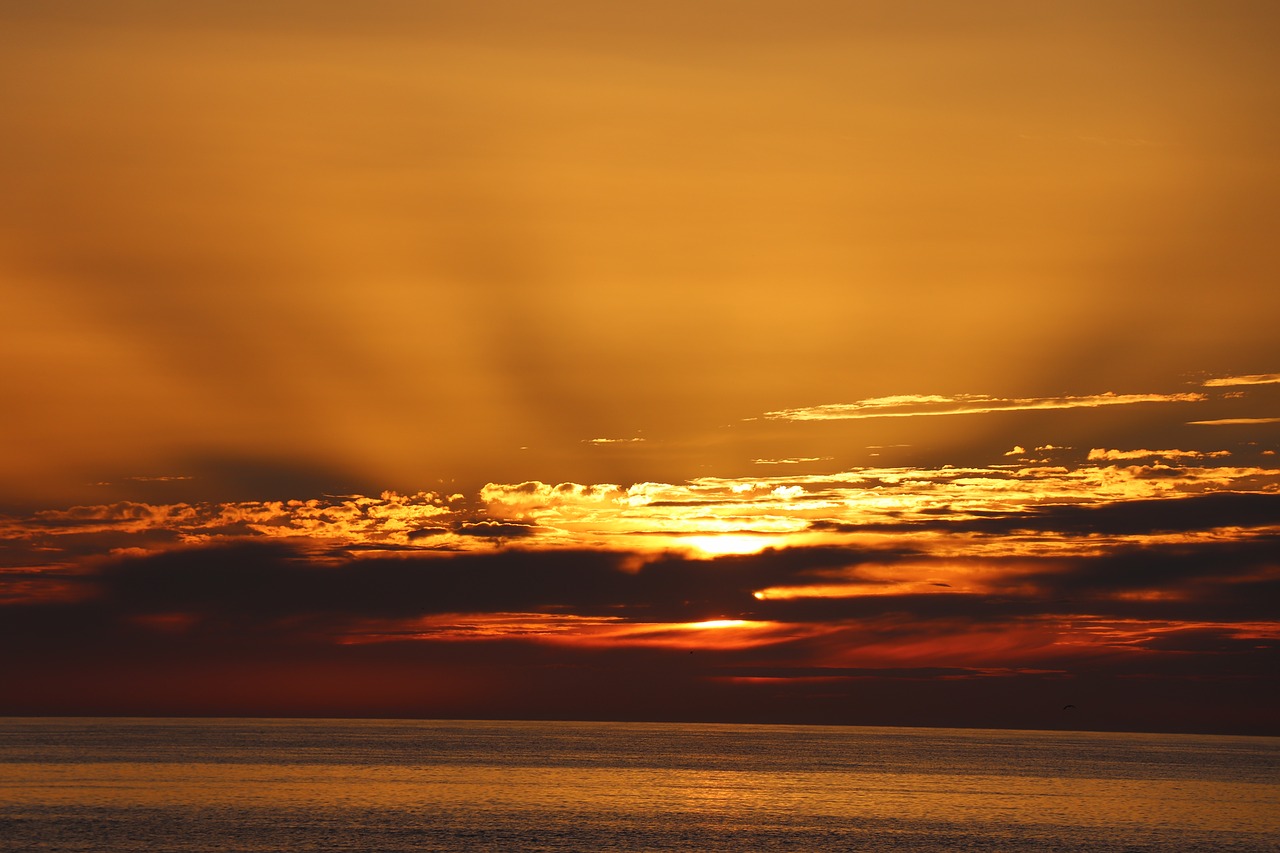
[(719, 544)]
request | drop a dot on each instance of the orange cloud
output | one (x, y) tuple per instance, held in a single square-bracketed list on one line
[(916, 405), (1102, 454), (1235, 421), (1250, 379)]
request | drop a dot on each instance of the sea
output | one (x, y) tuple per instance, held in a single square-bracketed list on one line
[(199, 785)]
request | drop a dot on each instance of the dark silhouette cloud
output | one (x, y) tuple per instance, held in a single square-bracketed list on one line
[(427, 532), (273, 627), (1118, 518), (269, 581), (1169, 567), (498, 529)]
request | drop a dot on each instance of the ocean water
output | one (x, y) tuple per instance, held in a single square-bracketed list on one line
[(124, 785)]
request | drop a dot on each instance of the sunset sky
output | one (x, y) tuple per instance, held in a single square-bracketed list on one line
[(891, 362)]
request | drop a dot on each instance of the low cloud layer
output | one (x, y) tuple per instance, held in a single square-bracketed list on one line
[(1195, 613), (1066, 572), (1059, 571)]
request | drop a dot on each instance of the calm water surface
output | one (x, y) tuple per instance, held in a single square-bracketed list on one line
[(266, 785)]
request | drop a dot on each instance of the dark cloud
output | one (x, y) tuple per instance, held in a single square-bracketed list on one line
[(1169, 567), (71, 546), (774, 565), (1215, 640), (1119, 518), (102, 668), (840, 672), (427, 532), (498, 529), (1126, 518), (267, 582), (267, 627)]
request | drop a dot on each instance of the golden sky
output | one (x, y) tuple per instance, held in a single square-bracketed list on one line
[(922, 343)]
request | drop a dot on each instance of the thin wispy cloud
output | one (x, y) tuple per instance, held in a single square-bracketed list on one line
[(1235, 421), (1098, 453), (921, 405), (1250, 379)]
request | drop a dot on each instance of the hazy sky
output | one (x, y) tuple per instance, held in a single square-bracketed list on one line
[(813, 360)]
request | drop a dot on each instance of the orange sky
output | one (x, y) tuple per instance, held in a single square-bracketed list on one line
[(922, 349)]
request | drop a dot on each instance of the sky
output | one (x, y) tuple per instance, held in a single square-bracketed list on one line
[(887, 363)]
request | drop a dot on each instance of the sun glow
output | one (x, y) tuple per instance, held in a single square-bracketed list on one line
[(730, 543), (721, 623)]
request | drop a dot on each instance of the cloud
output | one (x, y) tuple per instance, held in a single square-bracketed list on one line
[(353, 521), (498, 529), (917, 405), (1195, 575), (126, 515), (1010, 508), (1136, 518), (1250, 379), (611, 440), (161, 479), (274, 585), (427, 532), (1235, 421), (275, 582), (1100, 454), (236, 628)]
